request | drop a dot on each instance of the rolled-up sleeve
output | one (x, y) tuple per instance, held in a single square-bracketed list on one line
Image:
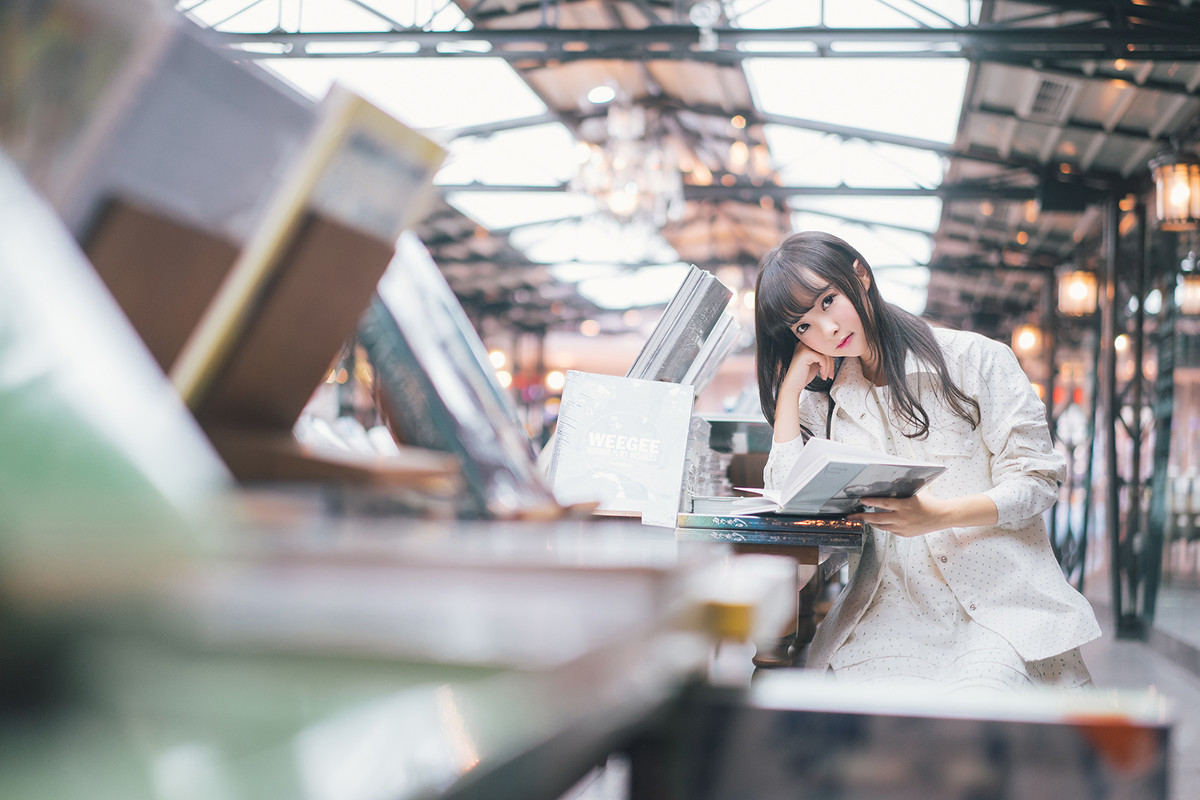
[(1026, 469)]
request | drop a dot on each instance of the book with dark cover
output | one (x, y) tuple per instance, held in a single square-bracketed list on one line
[(833, 531), (440, 391)]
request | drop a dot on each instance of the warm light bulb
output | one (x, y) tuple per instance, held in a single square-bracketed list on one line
[(1027, 339), (623, 201), (739, 155), (1077, 293), (1180, 193)]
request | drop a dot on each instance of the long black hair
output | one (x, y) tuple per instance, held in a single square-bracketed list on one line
[(791, 276)]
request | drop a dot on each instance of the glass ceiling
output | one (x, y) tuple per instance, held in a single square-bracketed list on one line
[(918, 98)]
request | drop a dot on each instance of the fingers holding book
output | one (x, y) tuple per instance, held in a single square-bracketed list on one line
[(904, 516), (923, 513)]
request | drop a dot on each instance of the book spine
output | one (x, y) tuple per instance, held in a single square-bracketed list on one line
[(766, 523), (793, 538)]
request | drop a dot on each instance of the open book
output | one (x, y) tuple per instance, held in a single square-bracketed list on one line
[(831, 478)]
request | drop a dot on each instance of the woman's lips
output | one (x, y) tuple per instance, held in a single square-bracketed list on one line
[(845, 341)]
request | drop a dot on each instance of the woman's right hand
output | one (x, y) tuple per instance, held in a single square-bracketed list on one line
[(806, 365)]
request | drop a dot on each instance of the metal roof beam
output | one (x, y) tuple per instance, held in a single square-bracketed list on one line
[(754, 193), (1074, 125), (674, 42), (1149, 83)]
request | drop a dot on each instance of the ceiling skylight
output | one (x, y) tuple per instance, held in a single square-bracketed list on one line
[(592, 239), (499, 210), (539, 155), (910, 97), (915, 99), (641, 287), (425, 93)]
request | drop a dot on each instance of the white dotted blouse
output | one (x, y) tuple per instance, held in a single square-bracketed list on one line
[(1003, 578)]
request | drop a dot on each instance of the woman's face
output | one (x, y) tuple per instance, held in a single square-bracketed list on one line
[(832, 326)]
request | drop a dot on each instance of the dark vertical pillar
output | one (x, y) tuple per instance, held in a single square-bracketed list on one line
[(1050, 332), (1164, 412), (1109, 408)]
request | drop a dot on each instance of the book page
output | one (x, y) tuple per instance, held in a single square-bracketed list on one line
[(829, 477)]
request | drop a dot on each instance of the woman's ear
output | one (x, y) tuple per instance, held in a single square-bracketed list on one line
[(864, 277)]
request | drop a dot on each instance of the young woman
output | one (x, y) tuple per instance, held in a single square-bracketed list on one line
[(956, 586)]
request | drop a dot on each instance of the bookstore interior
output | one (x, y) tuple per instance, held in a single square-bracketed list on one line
[(326, 474)]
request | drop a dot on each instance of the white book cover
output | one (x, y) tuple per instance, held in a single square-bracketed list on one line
[(831, 478), (622, 442)]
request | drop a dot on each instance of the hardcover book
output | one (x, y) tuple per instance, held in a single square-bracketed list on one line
[(832, 478), (787, 529), (296, 291), (440, 392), (677, 340), (622, 442), (721, 342), (310, 268)]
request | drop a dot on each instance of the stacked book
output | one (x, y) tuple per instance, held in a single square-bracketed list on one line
[(709, 522), (693, 335), (720, 342), (828, 540), (626, 444)]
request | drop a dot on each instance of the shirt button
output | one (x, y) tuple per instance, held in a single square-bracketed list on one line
[(944, 559)]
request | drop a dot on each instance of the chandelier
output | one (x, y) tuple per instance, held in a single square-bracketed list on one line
[(634, 173)]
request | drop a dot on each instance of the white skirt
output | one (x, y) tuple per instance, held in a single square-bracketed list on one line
[(916, 631)]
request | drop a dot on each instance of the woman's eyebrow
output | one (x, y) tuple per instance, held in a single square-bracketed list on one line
[(816, 299)]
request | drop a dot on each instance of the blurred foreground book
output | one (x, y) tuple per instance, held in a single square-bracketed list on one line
[(440, 392)]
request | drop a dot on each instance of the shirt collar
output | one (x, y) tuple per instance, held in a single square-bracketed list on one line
[(850, 380)]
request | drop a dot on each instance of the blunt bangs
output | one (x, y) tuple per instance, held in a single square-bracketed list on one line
[(785, 295)]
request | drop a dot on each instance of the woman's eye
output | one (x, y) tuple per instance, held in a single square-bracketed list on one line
[(828, 301), (801, 328)]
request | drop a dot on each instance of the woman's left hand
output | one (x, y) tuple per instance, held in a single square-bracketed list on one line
[(904, 516), (923, 513)]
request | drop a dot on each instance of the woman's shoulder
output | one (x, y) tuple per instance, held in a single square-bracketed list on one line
[(968, 344)]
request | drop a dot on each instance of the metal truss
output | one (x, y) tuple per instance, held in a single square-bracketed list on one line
[(1150, 30)]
